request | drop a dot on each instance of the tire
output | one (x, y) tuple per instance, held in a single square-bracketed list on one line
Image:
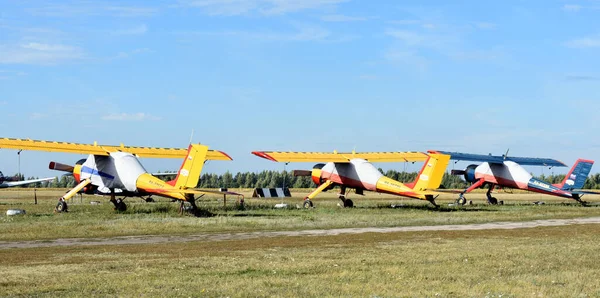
[(308, 204), (62, 207), (461, 201), (348, 203), (121, 206), (493, 201)]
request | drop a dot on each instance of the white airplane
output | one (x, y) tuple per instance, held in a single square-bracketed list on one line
[(116, 170), (6, 182)]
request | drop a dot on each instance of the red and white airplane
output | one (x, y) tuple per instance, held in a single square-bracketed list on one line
[(507, 171), (354, 170)]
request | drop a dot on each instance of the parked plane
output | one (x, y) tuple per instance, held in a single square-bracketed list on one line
[(14, 181), (116, 170), (507, 171), (354, 170)]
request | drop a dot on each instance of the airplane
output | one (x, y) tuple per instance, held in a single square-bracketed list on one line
[(6, 182), (112, 170), (507, 171), (354, 170)]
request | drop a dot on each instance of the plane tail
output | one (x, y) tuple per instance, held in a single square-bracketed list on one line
[(576, 178), (432, 172), (189, 173)]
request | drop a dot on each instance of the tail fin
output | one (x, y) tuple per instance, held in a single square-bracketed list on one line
[(575, 179), (190, 171), (432, 172)]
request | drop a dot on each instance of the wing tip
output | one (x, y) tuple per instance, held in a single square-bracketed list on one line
[(264, 155)]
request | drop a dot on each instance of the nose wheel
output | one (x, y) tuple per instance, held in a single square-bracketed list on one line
[(307, 203), (61, 206)]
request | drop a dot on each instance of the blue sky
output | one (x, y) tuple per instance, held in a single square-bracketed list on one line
[(304, 75)]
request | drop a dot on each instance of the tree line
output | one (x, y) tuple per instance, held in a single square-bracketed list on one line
[(286, 179)]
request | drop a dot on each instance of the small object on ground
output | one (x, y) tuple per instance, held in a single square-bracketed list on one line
[(539, 203), (95, 203), (397, 206), (281, 206), (11, 212), (501, 203), (470, 202)]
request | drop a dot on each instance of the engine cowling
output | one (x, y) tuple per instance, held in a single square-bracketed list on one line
[(316, 174), (470, 173)]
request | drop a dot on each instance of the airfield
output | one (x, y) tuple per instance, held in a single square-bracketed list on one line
[(385, 246)]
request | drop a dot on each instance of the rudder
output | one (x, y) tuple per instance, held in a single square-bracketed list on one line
[(577, 176), (432, 172), (189, 173)]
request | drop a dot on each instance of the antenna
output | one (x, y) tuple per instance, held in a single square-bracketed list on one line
[(506, 154), (191, 136)]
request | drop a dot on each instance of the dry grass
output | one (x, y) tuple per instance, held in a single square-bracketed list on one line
[(142, 218), (554, 262)]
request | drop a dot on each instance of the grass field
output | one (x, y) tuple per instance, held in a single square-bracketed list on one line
[(540, 262)]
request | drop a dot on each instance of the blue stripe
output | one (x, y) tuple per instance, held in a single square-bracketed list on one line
[(91, 171)]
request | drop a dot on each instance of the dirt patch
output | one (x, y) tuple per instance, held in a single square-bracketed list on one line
[(132, 240)]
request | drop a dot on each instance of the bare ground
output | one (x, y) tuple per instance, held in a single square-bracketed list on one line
[(151, 239)]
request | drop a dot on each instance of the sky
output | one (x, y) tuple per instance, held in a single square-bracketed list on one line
[(301, 75)]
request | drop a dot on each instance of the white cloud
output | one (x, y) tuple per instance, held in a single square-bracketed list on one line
[(130, 117), (38, 53), (137, 30), (342, 18), (302, 33), (263, 7), (585, 42), (485, 25), (85, 8), (405, 57), (572, 7)]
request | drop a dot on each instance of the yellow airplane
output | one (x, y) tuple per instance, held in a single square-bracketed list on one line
[(116, 170), (354, 170)]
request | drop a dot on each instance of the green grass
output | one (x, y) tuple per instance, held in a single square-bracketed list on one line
[(539, 262), (141, 218)]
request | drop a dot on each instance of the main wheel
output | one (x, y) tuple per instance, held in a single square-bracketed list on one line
[(121, 206), (62, 206), (461, 200), (308, 204), (493, 201), (348, 203)]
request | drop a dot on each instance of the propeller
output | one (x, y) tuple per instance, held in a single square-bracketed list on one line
[(457, 172), (61, 167), (301, 173)]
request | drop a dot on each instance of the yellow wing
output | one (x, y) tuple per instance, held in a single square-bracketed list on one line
[(96, 149), (341, 157)]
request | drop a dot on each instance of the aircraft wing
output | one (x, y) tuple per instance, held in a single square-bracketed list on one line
[(25, 182), (341, 157), (95, 149), (524, 161)]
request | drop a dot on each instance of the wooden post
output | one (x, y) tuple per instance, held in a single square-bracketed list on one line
[(35, 196), (224, 201)]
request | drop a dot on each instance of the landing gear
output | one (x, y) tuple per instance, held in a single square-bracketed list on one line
[(348, 203), (119, 204), (307, 203), (431, 199), (61, 206), (149, 200), (461, 200), (491, 200)]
